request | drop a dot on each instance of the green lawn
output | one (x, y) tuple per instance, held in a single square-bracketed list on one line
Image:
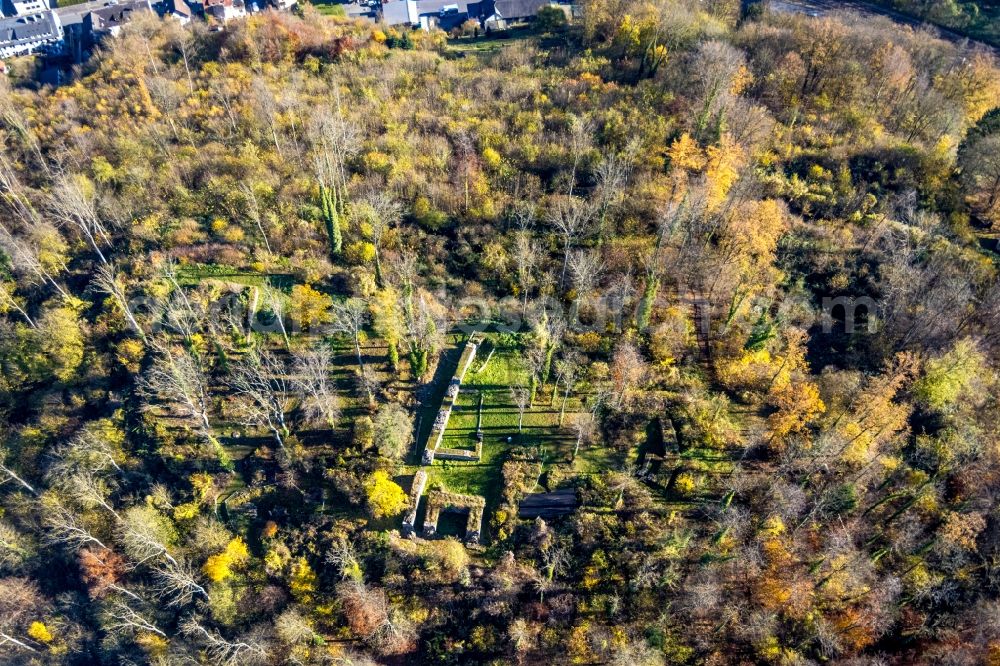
[(192, 274), (329, 9), (490, 43)]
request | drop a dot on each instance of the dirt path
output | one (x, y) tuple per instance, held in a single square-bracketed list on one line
[(697, 309)]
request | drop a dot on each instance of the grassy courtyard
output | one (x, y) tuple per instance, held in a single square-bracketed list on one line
[(541, 435)]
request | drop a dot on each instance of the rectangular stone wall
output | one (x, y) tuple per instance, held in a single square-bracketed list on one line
[(441, 421)]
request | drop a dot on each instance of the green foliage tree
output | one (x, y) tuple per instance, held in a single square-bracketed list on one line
[(393, 431), (331, 218)]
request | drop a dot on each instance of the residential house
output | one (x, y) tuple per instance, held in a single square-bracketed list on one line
[(108, 20), (225, 10), (179, 9), (85, 24), (24, 7), (426, 14), (21, 35), (509, 12), (365, 10)]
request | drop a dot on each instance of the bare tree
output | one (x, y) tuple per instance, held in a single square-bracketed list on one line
[(627, 369), (123, 619), (395, 633), (267, 108), (335, 140), (88, 451), (566, 371), (20, 602), (393, 430), (583, 428), (570, 217), (293, 628), (423, 314), (253, 210), (520, 397), (381, 212), (17, 197), (177, 376), (25, 254), (12, 115), (535, 359), (261, 388), (12, 475), (177, 582), (343, 558), (526, 259), (580, 138), (716, 67), (249, 650), (74, 204), (106, 280), (143, 534), (980, 163), (312, 379), (15, 548), (522, 216), (585, 270), (64, 527), (349, 318), (8, 301), (277, 305), (88, 489), (611, 174), (179, 313), (554, 559)]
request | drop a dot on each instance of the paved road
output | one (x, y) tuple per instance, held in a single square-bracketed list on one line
[(821, 7)]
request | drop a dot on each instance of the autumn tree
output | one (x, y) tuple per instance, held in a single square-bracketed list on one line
[(628, 369), (952, 376), (377, 215), (797, 406), (384, 496), (102, 571), (20, 602), (393, 431)]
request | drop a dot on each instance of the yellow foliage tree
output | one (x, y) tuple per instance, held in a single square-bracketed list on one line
[(219, 567), (40, 632), (385, 497), (309, 307), (685, 153), (302, 581), (875, 416), (798, 405), (723, 164), (388, 321)]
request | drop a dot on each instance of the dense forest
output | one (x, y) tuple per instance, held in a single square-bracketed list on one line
[(729, 284)]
